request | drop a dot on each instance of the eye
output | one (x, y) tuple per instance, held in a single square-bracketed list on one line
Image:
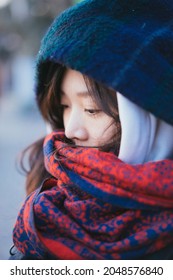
[(64, 106), (92, 111)]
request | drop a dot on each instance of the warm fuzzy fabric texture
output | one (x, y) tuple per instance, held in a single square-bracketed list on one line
[(112, 211), (127, 45)]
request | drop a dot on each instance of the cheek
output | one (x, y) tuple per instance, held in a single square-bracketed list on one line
[(103, 129), (65, 117)]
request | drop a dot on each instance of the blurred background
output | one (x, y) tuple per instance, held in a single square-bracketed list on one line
[(22, 25)]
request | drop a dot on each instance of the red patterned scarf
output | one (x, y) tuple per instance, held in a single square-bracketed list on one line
[(94, 206)]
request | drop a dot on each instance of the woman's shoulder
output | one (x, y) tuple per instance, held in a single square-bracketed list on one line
[(164, 254)]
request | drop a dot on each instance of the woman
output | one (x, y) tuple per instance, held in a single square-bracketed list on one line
[(103, 188)]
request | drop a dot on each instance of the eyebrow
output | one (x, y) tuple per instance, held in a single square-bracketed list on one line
[(84, 94)]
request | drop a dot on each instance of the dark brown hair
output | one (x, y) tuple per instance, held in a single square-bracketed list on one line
[(49, 104)]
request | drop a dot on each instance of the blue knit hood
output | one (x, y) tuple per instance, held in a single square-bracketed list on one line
[(126, 45)]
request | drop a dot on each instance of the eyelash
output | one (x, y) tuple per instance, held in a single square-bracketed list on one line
[(89, 111), (92, 111), (63, 106)]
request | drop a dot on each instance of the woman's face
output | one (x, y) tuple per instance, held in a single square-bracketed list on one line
[(84, 122)]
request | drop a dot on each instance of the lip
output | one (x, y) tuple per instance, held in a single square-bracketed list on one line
[(85, 145), (79, 144)]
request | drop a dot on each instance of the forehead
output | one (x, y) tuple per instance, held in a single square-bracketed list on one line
[(73, 82)]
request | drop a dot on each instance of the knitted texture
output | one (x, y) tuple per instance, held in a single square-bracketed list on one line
[(126, 45), (112, 211)]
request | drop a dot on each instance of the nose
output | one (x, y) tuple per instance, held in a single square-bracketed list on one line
[(75, 128)]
